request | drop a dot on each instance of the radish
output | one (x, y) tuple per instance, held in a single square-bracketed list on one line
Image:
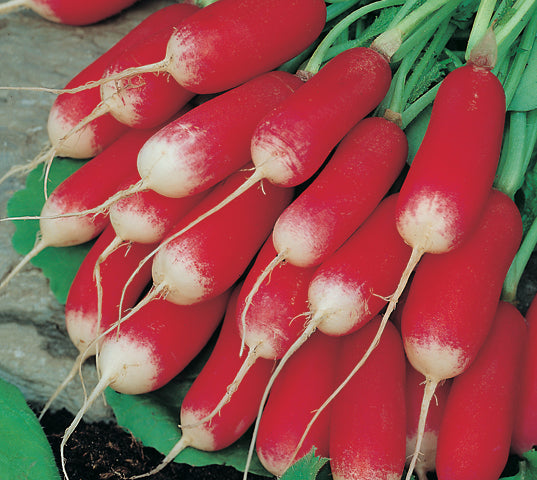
[(79, 192), (302, 386), (414, 393), (525, 429), (211, 141), (256, 37), (210, 258), (210, 385), (364, 166), (69, 12), (476, 429), (449, 181), (453, 299), (367, 426), (153, 347), (88, 311)]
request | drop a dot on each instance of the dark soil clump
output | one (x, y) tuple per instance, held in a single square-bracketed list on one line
[(104, 451)]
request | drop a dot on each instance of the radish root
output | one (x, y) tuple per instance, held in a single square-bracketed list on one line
[(156, 67), (278, 259), (428, 393), (231, 389)]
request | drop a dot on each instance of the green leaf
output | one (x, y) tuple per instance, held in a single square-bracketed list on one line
[(527, 467), (153, 418), (59, 265), (307, 468), (24, 449)]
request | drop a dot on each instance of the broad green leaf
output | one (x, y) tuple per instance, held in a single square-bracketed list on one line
[(153, 418), (307, 468), (59, 265), (25, 453)]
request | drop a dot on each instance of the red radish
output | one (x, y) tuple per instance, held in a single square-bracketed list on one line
[(211, 141), (303, 385), (362, 169), (87, 313), (453, 298), (156, 344), (210, 258), (69, 12), (414, 393), (84, 189), (476, 429), (368, 421), (525, 429), (448, 183), (210, 385), (257, 37), (273, 321)]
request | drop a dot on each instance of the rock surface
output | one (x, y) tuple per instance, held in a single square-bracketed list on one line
[(35, 352)]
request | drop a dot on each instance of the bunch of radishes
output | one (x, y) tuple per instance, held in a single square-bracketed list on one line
[(278, 200)]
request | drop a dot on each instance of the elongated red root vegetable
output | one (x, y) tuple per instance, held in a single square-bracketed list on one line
[(448, 183), (210, 385), (153, 347), (414, 393), (304, 383), (476, 429), (145, 101), (525, 428), (69, 110), (364, 166), (274, 320), (453, 298), (211, 141), (368, 420), (231, 41), (87, 314), (89, 186), (69, 12)]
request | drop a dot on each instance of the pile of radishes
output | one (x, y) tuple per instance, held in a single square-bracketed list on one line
[(251, 165)]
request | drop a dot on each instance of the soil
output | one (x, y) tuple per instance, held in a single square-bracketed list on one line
[(104, 451)]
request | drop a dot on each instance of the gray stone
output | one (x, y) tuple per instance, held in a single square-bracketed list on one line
[(35, 351)]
